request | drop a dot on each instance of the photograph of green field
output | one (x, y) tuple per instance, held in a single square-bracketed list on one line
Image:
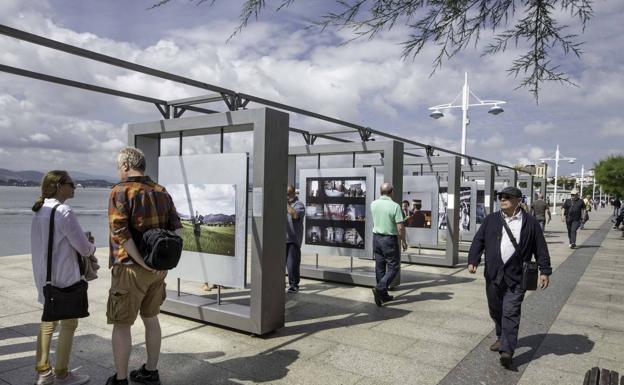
[(208, 215), (212, 239)]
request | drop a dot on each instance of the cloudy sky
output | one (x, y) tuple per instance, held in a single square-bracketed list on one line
[(204, 198), (44, 126)]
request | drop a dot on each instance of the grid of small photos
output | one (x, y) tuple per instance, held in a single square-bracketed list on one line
[(336, 212)]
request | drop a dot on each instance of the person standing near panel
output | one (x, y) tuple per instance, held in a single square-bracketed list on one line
[(294, 238), (572, 212), (136, 204), (504, 264), (388, 229), (539, 209)]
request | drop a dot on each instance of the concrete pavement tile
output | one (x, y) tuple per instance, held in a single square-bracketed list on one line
[(21, 272), (615, 365), (375, 339), (9, 307), (433, 353), (434, 333), (609, 350), (385, 367), (372, 381), (16, 350), (565, 327), (261, 367), (313, 373), (544, 375)]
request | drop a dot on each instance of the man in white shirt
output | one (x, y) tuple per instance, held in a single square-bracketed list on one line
[(504, 261)]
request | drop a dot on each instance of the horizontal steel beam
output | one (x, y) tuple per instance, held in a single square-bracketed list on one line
[(196, 100), (40, 40), (72, 83)]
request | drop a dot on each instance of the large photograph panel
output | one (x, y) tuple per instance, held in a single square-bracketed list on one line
[(208, 214), (210, 194), (420, 209), (337, 208)]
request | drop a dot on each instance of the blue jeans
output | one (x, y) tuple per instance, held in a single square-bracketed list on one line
[(387, 260), (505, 305), (293, 263)]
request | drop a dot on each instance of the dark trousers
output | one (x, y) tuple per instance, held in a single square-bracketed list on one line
[(572, 227), (293, 263), (505, 305), (387, 260)]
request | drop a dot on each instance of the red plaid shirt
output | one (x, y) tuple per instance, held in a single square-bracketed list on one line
[(140, 204)]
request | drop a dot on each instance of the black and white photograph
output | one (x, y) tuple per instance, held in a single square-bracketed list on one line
[(336, 211)]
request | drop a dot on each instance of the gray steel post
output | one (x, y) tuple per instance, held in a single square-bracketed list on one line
[(452, 212), (270, 163)]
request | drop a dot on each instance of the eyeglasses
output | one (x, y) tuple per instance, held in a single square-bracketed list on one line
[(70, 184), (504, 197)]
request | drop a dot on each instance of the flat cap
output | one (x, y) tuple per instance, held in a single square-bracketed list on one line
[(511, 191)]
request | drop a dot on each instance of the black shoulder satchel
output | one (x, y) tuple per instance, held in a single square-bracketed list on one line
[(66, 302), (529, 268)]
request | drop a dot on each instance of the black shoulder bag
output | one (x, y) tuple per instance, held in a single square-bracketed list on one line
[(66, 302), (529, 268)]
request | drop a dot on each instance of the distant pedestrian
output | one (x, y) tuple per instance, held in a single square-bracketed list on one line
[(572, 212), (617, 204), (539, 209), (136, 204), (504, 261), (68, 240), (294, 238), (588, 208), (388, 230)]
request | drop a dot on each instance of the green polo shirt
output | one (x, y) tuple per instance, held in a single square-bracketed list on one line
[(386, 214)]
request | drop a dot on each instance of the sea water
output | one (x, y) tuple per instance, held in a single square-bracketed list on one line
[(89, 204)]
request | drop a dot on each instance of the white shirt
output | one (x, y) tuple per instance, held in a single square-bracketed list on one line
[(515, 225), (69, 238)]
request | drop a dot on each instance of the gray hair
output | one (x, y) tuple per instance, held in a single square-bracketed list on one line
[(131, 157), (386, 189)]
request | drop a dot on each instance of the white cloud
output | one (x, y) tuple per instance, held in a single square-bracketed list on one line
[(612, 127), (39, 138), (365, 82), (538, 128)]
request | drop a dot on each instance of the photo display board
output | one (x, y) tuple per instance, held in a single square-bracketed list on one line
[(421, 224), (467, 210), (210, 195), (337, 211), (480, 211)]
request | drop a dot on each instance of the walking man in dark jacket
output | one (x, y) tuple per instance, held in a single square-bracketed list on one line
[(503, 271), (573, 212)]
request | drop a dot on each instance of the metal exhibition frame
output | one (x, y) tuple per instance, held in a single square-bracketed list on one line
[(267, 308), (270, 159), (392, 153)]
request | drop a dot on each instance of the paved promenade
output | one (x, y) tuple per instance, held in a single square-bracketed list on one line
[(436, 332)]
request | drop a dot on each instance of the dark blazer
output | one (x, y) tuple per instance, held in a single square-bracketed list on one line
[(488, 239)]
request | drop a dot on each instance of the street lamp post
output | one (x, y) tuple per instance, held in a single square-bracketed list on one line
[(557, 158), (465, 95), (582, 177)]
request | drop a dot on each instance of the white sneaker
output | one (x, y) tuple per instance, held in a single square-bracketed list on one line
[(45, 378), (72, 379)]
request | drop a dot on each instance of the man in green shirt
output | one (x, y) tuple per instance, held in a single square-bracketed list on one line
[(387, 230)]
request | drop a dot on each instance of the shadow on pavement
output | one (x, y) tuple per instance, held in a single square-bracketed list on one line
[(558, 344), (93, 355)]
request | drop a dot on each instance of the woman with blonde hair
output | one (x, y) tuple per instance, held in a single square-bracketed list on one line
[(68, 239)]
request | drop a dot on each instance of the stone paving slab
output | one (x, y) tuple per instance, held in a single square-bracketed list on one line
[(334, 333)]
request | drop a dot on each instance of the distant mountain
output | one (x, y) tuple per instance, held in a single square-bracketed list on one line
[(219, 218), (33, 178)]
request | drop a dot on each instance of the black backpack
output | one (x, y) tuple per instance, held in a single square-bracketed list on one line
[(161, 249)]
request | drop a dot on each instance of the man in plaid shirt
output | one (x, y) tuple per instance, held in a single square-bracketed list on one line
[(136, 204)]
